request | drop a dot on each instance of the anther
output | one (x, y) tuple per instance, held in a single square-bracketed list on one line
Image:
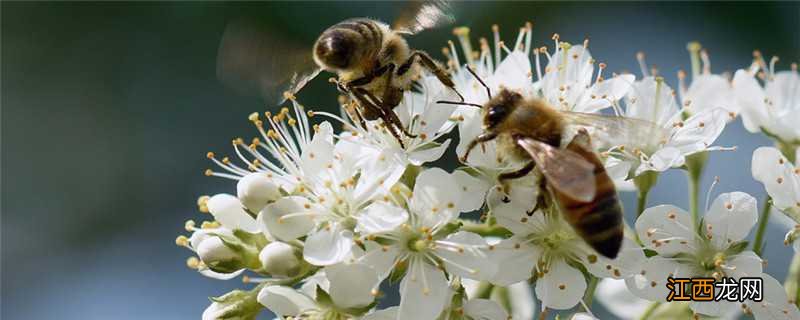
[(189, 225)]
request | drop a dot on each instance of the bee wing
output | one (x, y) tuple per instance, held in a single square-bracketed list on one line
[(566, 171), (609, 131), (417, 16), (253, 60)]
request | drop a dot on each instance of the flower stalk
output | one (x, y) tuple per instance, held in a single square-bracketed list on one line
[(792, 283), (695, 164), (758, 243)]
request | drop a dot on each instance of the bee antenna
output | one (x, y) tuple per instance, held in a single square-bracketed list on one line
[(488, 92), (460, 103)]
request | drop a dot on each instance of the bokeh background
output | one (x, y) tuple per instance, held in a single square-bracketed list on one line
[(108, 110)]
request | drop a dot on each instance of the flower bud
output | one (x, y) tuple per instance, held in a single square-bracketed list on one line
[(280, 260), (256, 190), (236, 304), (212, 250)]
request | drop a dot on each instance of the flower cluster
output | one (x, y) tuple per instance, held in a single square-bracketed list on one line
[(323, 222)]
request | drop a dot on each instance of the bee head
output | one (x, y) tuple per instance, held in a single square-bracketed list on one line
[(499, 107), (335, 49)]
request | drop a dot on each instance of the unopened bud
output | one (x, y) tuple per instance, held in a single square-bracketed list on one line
[(256, 190), (280, 260)]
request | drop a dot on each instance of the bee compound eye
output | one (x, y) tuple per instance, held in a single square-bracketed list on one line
[(335, 49)]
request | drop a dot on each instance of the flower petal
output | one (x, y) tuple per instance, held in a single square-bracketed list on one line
[(630, 257), (423, 155), (288, 218), (616, 297), (389, 313), (485, 309), (778, 176), (775, 304), (516, 259), (473, 191), (750, 99), (423, 292), (435, 196), (666, 229), (561, 287), (650, 283), (285, 301), (380, 217), (465, 254), (604, 93), (351, 285), (229, 212), (327, 246), (731, 217), (709, 91)]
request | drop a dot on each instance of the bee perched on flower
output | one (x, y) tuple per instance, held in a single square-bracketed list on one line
[(332, 223)]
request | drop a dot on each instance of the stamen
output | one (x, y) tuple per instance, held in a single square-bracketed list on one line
[(710, 189), (497, 43), (706, 61), (528, 37), (772, 67), (694, 54), (463, 36), (642, 63)]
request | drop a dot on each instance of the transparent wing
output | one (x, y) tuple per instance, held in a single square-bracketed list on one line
[(417, 16), (253, 60), (566, 171), (607, 131)]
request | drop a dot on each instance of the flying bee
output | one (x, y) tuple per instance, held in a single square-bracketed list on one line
[(373, 62), (530, 131)]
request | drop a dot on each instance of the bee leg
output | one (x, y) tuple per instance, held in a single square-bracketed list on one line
[(355, 115), (364, 97), (432, 66), (481, 138), (541, 199), (517, 174), (392, 96)]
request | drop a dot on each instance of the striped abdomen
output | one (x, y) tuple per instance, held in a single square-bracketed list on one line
[(599, 221), (349, 44)]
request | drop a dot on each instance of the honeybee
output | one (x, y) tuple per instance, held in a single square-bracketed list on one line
[(373, 62), (531, 131)]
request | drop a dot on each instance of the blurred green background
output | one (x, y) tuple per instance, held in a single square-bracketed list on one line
[(108, 110)]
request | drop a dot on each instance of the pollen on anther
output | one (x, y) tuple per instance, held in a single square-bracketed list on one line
[(779, 180)]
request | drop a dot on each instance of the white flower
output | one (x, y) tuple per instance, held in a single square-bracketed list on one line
[(568, 83), (773, 107), (329, 184), (668, 139), (706, 90), (338, 291), (419, 114), (420, 239), (782, 181), (544, 244), (682, 253)]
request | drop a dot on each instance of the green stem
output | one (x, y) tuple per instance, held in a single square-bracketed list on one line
[(650, 310), (792, 283), (694, 186), (485, 229), (758, 243), (589, 295), (694, 165), (644, 182)]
